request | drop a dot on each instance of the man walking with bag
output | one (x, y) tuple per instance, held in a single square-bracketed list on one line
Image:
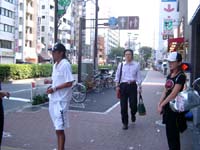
[(128, 83)]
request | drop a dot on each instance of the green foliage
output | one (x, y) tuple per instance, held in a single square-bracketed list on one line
[(145, 52), (4, 72), (136, 57), (119, 51), (74, 68), (24, 71), (40, 99)]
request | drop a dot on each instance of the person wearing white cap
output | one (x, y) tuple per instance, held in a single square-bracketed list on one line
[(175, 122), (60, 92)]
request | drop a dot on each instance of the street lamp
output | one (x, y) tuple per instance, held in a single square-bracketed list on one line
[(56, 22), (129, 40)]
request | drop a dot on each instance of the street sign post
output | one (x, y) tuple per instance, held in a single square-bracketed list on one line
[(128, 22), (112, 22)]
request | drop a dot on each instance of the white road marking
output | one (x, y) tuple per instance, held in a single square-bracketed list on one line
[(18, 99), (153, 83)]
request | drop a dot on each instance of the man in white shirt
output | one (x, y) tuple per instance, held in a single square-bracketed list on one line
[(60, 92), (130, 83)]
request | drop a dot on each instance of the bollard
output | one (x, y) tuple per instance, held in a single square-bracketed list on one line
[(32, 88)]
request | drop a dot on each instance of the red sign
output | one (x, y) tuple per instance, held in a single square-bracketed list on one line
[(175, 44)]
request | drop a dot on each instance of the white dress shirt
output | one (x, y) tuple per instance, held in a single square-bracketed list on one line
[(130, 73)]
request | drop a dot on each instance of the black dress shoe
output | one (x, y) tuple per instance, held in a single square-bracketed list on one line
[(125, 127), (133, 118)]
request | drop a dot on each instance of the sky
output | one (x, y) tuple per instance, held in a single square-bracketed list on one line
[(148, 12)]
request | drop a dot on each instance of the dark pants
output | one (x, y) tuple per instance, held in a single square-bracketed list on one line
[(128, 93), (1, 120), (172, 131)]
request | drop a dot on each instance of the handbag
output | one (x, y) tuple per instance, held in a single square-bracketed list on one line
[(141, 107), (120, 75)]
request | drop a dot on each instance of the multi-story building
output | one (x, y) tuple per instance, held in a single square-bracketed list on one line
[(46, 17), (111, 36), (26, 44), (7, 31)]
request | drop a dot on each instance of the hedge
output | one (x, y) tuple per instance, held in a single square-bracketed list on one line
[(25, 71)]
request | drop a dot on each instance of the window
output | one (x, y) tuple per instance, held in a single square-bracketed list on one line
[(20, 48), (20, 20), (10, 1), (30, 43), (5, 44), (31, 30), (43, 17), (42, 39), (51, 7), (31, 17), (51, 19), (43, 28), (43, 6), (20, 35), (21, 6), (64, 20)]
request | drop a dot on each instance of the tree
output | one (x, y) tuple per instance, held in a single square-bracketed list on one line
[(116, 52), (145, 53)]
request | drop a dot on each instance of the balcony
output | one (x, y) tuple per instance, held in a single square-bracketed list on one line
[(30, 9), (29, 23), (29, 37)]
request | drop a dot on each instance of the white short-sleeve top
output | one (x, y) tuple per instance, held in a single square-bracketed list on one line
[(62, 73)]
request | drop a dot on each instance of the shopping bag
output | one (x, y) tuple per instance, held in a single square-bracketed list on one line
[(185, 101), (141, 107)]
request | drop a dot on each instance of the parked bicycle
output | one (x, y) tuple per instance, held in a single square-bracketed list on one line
[(79, 93)]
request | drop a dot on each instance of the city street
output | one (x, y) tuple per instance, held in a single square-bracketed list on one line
[(27, 129)]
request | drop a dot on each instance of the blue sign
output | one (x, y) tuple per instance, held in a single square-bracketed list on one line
[(168, 0), (112, 22)]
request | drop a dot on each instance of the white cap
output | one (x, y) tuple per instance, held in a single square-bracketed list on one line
[(174, 56)]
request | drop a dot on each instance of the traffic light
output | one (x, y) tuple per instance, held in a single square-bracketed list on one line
[(186, 67)]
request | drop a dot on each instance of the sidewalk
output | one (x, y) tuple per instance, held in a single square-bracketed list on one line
[(33, 130)]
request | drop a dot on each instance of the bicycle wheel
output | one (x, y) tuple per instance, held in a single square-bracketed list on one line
[(98, 85), (79, 93), (196, 85), (109, 82)]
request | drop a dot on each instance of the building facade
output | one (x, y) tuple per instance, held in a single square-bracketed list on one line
[(7, 31), (27, 31)]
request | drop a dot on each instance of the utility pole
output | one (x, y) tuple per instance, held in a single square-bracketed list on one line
[(96, 36), (56, 22), (80, 49)]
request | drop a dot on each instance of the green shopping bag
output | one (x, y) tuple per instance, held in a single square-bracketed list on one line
[(141, 107)]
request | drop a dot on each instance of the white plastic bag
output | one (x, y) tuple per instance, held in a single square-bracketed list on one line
[(185, 101)]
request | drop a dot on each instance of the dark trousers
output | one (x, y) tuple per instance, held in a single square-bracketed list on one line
[(1, 121), (172, 131), (128, 93)]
